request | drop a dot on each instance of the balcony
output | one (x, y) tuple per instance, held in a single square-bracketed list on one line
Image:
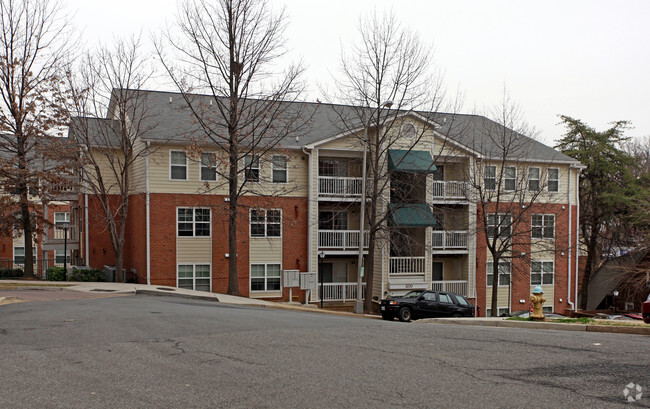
[(450, 191), (341, 239), (54, 238), (336, 187), (407, 265), (452, 286), (450, 241), (341, 291)]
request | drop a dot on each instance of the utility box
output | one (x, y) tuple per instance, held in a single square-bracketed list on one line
[(290, 278), (307, 281)]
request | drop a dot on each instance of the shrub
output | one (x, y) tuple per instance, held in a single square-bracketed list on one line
[(89, 274), (55, 274), (11, 273)]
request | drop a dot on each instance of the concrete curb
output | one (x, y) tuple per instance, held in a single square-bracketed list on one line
[(539, 325)]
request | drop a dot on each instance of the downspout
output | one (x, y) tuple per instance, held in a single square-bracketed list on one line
[(568, 290), (86, 234), (309, 211), (148, 217), (575, 298)]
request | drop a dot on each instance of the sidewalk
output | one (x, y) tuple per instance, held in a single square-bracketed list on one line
[(505, 323)]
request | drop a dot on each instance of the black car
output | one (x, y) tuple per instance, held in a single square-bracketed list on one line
[(425, 304)]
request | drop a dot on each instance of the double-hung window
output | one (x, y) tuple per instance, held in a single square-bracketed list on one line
[(19, 254), (208, 167), (265, 277), (194, 277), (533, 179), (553, 176), (178, 165), (509, 178), (266, 223), (541, 272), (504, 273), (193, 222), (490, 177), (543, 226), (499, 223), (59, 257), (252, 168), (279, 169), (60, 220)]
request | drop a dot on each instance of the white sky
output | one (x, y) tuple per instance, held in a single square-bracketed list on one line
[(586, 59)]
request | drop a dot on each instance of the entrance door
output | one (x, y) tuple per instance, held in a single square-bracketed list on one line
[(325, 272), (436, 271), (340, 272)]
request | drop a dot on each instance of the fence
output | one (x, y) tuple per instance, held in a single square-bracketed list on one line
[(40, 265)]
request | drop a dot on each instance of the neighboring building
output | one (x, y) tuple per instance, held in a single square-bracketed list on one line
[(309, 218)]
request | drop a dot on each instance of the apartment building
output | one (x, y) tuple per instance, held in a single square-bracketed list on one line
[(303, 212)]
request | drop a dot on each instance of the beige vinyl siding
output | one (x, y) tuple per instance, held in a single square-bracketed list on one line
[(138, 174), (192, 250), (502, 297), (346, 143), (161, 182), (423, 139), (265, 250), (108, 177)]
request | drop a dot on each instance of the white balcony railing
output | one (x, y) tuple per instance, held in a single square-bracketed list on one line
[(407, 265), (450, 190), (453, 286), (340, 239), (57, 233), (341, 291), (449, 240), (339, 186)]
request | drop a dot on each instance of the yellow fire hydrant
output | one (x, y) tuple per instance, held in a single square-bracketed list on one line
[(538, 300)]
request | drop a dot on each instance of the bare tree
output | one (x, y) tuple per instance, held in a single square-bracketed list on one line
[(386, 76), (33, 44), (509, 191), (228, 50), (109, 119)]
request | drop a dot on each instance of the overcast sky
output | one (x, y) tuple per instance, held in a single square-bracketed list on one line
[(586, 59)]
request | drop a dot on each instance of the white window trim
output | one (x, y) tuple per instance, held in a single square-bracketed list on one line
[(266, 212), (489, 310), (504, 179), (406, 124), (286, 169), (187, 168), (259, 168), (193, 274), (193, 236), (539, 179), (498, 217), (216, 164), (485, 177), (542, 226), (265, 291), (552, 273), (488, 271), (548, 180), (68, 258)]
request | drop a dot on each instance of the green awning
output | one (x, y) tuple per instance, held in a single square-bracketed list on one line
[(411, 215), (410, 160)]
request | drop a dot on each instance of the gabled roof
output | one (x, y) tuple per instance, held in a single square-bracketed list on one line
[(168, 119)]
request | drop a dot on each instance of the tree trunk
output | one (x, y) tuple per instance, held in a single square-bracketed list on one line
[(119, 264), (233, 285), (369, 272), (495, 289), (27, 234)]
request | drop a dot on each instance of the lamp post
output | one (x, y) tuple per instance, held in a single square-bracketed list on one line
[(358, 303), (65, 226), (615, 294), (321, 256)]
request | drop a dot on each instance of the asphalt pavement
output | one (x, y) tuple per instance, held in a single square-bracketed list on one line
[(173, 352)]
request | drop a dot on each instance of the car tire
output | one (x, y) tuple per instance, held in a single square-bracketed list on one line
[(404, 314), (386, 316)]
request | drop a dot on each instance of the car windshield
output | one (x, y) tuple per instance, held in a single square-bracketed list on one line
[(412, 294)]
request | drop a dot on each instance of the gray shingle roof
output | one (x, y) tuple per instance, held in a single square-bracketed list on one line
[(168, 118)]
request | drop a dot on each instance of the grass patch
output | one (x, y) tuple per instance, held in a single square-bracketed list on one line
[(587, 321), (31, 284), (583, 320)]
